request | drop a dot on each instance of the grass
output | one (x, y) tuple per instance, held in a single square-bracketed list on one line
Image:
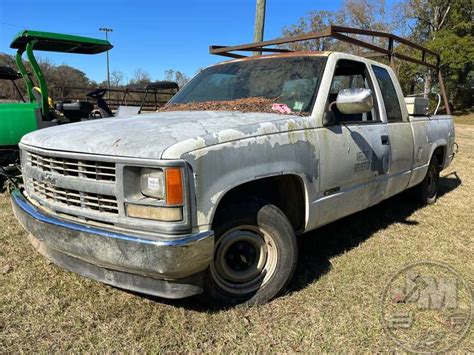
[(333, 303), (465, 119)]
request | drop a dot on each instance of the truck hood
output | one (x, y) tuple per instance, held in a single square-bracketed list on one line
[(165, 135)]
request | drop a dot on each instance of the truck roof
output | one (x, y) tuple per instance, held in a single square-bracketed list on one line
[(289, 54), (278, 55), (58, 42)]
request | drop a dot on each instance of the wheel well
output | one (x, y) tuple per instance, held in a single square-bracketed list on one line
[(284, 191), (439, 153)]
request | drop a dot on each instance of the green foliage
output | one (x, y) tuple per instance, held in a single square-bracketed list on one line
[(446, 27)]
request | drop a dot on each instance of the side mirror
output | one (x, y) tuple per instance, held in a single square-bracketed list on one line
[(354, 101)]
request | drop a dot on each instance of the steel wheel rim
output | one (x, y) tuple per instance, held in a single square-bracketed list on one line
[(261, 267)]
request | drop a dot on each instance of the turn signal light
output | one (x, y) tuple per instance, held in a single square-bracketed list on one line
[(174, 186)]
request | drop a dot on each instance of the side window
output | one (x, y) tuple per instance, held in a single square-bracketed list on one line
[(350, 75), (389, 94), (347, 81)]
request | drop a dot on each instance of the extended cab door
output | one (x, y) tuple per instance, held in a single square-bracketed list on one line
[(354, 151), (400, 132)]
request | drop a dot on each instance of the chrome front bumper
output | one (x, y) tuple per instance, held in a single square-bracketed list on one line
[(156, 265)]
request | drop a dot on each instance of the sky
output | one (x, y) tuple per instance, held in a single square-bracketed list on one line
[(154, 35)]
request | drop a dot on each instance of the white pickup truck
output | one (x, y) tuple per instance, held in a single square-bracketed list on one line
[(210, 202)]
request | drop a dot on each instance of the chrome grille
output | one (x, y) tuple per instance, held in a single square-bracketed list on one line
[(67, 197), (87, 169)]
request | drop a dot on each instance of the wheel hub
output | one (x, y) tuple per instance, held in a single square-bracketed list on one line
[(241, 256)]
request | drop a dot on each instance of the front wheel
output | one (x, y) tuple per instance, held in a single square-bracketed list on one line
[(427, 190), (255, 255)]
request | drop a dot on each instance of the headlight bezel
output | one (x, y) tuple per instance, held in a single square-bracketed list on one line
[(133, 192)]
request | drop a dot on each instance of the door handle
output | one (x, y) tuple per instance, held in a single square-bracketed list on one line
[(385, 140)]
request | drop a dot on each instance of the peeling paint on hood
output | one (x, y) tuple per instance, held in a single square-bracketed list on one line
[(150, 135)]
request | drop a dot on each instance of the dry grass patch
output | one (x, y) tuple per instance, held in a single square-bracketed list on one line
[(465, 119), (333, 303)]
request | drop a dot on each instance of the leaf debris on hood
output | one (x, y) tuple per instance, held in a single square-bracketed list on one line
[(252, 104)]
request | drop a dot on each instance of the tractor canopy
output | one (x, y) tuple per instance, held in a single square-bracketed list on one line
[(30, 41), (58, 42)]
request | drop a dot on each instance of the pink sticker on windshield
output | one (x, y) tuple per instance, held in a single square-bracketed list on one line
[(281, 108)]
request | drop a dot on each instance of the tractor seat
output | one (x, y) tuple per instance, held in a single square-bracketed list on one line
[(75, 111)]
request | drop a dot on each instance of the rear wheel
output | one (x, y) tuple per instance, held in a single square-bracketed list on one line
[(255, 255), (427, 191)]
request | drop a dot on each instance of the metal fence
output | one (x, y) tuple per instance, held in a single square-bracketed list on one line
[(152, 100)]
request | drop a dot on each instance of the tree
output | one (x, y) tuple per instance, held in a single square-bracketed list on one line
[(430, 17), (446, 27), (7, 90), (179, 77), (116, 78), (140, 78), (364, 14), (368, 14), (61, 79)]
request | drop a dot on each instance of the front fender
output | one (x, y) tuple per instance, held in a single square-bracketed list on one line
[(220, 168)]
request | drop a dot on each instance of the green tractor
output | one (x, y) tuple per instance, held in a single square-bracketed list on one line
[(18, 119)]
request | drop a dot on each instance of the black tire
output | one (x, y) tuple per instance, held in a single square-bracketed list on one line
[(238, 275), (427, 191), (3, 181)]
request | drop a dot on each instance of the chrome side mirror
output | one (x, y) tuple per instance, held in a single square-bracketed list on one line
[(354, 101)]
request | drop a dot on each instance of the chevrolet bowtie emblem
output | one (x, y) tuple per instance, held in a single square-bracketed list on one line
[(49, 178)]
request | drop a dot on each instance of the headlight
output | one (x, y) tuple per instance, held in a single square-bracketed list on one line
[(152, 183)]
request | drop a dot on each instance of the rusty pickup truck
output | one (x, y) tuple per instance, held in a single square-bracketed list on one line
[(189, 202)]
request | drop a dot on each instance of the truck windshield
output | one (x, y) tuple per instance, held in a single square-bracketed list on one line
[(292, 81)]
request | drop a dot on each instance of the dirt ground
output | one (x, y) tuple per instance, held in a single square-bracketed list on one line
[(332, 304)]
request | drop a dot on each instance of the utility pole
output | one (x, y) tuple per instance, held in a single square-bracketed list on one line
[(107, 30), (259, 23)]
